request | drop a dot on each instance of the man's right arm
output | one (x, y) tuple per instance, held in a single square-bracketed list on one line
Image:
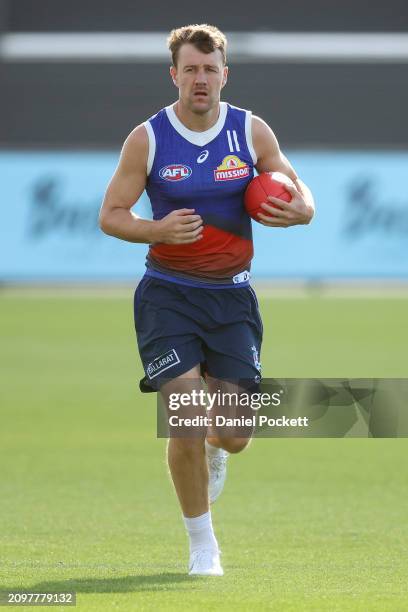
[(180, 226)]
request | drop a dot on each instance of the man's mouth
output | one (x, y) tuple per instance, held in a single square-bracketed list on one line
[(200, 93)]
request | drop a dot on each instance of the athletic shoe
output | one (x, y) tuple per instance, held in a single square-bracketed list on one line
[(205, 562), (217, 472)]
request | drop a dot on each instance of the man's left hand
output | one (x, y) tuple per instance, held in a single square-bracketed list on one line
[(295, 212)]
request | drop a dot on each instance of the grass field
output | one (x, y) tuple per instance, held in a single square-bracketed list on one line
[(86, 503)]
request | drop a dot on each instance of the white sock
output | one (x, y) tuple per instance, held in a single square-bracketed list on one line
[(211, 450), (201, 533)]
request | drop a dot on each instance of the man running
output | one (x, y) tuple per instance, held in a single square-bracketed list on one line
[(195, 313)]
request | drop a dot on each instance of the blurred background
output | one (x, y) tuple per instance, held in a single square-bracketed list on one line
[(85, 502), (332, 82)]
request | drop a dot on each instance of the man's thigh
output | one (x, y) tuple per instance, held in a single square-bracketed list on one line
[(231, 414), (168, 340), (233, 353)]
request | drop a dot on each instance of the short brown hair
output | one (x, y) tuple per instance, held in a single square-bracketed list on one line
[(206, 38)]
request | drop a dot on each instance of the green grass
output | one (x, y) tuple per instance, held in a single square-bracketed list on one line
[(86, 503)]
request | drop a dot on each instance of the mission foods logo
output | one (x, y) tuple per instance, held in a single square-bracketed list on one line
[(175, 172), (231, 168)]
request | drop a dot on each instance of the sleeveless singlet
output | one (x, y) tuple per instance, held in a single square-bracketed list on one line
[(208, 171)]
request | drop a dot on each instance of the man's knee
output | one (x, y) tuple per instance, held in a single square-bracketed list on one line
[(230, 444)]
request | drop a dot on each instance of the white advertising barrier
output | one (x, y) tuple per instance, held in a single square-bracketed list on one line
[(50, 202)]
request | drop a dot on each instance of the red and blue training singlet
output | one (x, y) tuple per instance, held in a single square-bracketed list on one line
[(208, 171)]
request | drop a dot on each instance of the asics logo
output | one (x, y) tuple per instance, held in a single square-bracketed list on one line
[(202, 157)]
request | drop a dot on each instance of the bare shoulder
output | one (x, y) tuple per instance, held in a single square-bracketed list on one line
[(259, 126), (136, 144), (263, 137), (269, 156)]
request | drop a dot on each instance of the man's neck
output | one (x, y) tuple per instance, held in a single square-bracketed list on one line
[(194, 121)]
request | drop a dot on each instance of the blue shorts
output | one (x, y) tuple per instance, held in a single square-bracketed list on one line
[(179, 327)]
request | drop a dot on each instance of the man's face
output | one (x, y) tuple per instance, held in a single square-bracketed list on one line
[(199, 78)]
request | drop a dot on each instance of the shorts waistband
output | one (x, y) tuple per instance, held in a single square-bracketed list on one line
[(190, 283)]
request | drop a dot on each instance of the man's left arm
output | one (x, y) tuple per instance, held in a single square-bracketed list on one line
[(270, 158)]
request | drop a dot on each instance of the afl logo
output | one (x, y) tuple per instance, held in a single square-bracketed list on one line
[(175, 172)]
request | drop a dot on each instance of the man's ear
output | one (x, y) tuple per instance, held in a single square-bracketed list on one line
[(173, 74), (225, 76)]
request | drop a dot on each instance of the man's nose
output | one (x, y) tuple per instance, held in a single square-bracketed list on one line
[(201, 77)]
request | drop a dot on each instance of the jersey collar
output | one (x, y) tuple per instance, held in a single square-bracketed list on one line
[(198, 138)]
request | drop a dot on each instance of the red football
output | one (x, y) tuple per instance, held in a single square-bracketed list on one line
[(262, 186)]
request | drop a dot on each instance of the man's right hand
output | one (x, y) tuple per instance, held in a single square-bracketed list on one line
[(178, 227)]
